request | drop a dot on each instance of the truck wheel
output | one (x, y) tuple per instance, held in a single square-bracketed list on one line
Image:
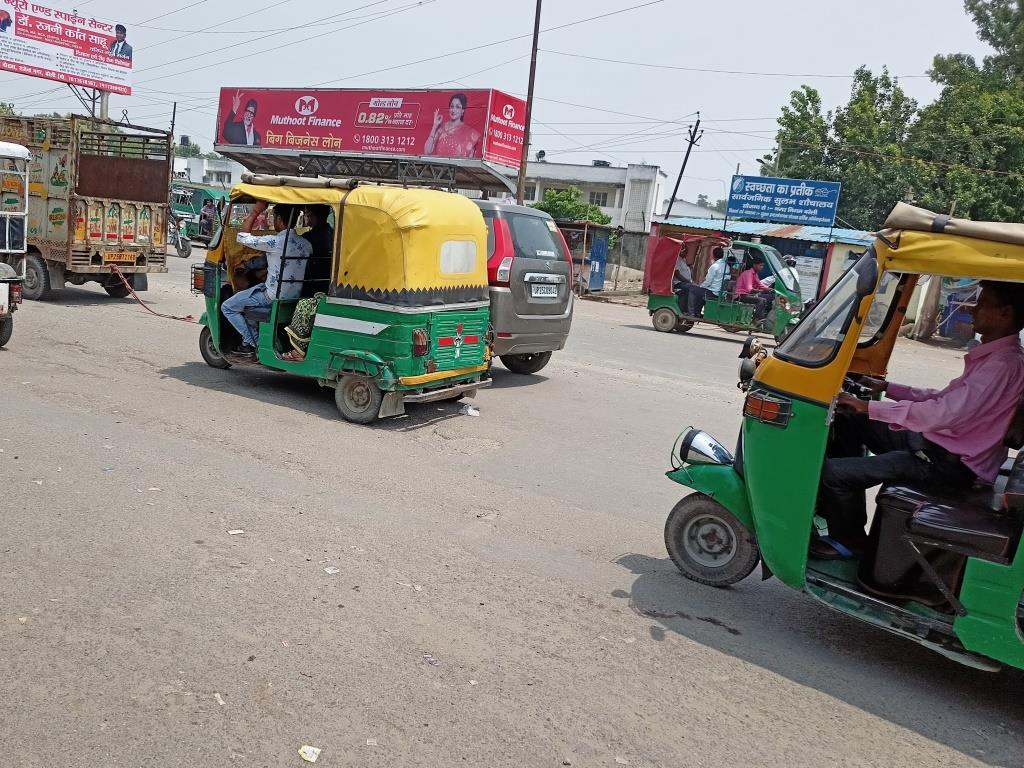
[(526, 364), (209, 350), (358, 399), (119, 290), (6, 329), (664, 320), (708, 544), (36, 285)]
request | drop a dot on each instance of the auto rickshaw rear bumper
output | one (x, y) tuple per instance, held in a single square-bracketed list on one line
[(445, 393)]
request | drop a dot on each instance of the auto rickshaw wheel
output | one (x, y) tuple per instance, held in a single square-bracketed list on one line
[(358, 399), (209, 350), (664, 320), (708, 543), (684, 326), (6, 329)]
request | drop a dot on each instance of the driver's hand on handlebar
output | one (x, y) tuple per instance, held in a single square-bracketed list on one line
[(849, 402), (874, 385)]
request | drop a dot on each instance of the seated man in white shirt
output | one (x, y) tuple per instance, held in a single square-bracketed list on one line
[(712, 286), (287, 253)]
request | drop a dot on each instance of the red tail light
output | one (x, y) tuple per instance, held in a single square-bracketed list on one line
[(420, 342), (15, 293), (499, 264)]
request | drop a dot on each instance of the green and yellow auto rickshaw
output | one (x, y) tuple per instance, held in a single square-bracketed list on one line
[(401, 305), (957, 560), (668, 310)]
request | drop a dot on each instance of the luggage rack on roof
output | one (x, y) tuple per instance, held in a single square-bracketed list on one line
[(449, 173)]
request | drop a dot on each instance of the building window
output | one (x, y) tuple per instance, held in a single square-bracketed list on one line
[(599, 199), (530, 192)]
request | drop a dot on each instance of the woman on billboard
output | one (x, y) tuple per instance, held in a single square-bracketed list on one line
[(453, 138)]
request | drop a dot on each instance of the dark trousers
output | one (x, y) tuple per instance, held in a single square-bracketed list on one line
[(762, 304), (899, 456), (695, 298)]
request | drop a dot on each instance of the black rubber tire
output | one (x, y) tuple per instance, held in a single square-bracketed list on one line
[(744, 552), (664, 320), (118, 291), (684, 326), (209, 350), (526, 364), (36, 285), (6, 330), (185, 250), (358, 399)]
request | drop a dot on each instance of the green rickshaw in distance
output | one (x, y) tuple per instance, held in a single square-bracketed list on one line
[(668, 310), (943, 569), (398, 312)]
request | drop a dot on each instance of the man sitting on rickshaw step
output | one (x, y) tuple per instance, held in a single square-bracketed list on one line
[(944, 440)]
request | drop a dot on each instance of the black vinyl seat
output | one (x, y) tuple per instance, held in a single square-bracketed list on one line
[(971, 528)]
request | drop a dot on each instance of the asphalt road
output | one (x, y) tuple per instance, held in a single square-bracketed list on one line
[(436, 590)]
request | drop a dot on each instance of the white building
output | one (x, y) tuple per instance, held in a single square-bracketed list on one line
[(685, 208), (219, 172), (628, 195)]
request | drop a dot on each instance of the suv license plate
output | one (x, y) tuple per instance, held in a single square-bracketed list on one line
[(542, 291)]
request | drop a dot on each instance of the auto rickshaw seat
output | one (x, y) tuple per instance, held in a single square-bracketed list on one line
[(967, 527)]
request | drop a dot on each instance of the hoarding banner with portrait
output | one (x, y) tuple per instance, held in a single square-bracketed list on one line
[(57, 44), (471, 124), (787, 201)]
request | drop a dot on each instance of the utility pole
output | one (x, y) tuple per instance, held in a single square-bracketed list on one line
[(521, 182), (694, 136)]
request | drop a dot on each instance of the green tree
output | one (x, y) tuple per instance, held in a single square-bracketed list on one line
[(568, 205), (703, 202), (1001, 24), (804, 139)]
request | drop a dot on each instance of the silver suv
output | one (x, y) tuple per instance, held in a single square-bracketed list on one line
[(529, 271)]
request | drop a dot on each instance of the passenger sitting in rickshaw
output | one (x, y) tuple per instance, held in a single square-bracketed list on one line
[(750, 289), (945, 440), (712, 285), (285, 283), (682, 278)]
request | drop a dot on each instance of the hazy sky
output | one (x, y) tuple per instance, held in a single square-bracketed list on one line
[(586, 109)]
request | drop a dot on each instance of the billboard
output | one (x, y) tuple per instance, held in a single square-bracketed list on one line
[(470, 124), (56, 44), (786, 201)]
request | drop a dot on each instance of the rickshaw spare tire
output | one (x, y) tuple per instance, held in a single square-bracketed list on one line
[(209, 350), (708, 543), (664, 320), (358, 398), (6, 330)]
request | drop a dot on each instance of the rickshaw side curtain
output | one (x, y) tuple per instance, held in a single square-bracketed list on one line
[(661, 265), (392, 241)]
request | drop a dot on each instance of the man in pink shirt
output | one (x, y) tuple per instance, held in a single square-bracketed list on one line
[(750, 289), (941, 440)]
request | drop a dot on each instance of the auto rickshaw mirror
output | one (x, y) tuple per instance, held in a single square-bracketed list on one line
[(867, 274)]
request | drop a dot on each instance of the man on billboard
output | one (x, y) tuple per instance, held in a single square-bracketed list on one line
[(5, 20), (120, 47), (453, 138), (244, 132)]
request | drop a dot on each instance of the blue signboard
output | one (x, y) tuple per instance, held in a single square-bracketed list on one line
[(786, 201)]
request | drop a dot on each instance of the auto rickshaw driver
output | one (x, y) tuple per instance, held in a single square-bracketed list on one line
[(942, 439)]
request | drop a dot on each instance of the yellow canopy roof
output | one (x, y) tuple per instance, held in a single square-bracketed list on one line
[(920, 241)]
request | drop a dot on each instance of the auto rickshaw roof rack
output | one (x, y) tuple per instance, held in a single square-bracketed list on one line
[(448, 172)]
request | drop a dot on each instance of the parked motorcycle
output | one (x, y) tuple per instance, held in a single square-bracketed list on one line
[(177, 235)]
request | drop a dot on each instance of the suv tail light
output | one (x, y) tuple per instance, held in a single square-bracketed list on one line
[(420, 342), (504, 273), (15, 293)]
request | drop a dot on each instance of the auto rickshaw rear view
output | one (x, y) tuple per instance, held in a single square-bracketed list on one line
[(941, 567), (395, 313)]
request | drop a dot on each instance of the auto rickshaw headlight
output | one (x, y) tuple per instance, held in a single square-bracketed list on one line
[(698, 447)]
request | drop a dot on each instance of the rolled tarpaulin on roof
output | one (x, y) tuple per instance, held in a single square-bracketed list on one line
[(304, 182), (909, 217)]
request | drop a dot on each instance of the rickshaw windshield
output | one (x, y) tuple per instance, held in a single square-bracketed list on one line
[(773, 257), (881, 307), (816, 340)]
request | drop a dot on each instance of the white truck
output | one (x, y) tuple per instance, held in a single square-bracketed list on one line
[(98, 198)]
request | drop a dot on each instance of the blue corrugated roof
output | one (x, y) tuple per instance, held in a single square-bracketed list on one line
[(767, 229)]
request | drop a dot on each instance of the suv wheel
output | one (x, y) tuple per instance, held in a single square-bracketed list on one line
[(526, 364)]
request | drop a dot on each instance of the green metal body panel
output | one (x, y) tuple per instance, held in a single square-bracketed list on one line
[(382, 349), (655, 302), (721, 483), (782, 467), (730, 313), (991, 594)]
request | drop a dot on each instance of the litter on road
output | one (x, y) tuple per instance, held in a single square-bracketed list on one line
[(236, 532), (308, 753), (218, 698), (331, 570), (470, 410)]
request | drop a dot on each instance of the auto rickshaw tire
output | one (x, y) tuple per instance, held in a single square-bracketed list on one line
[(358, 399), (526, 364), (6, 330), (36, 285), (664, 320), (209, 350), (708, 543), (684, 326)]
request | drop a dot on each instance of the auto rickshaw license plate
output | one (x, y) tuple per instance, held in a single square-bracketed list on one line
[(541, 291), (118, 257)]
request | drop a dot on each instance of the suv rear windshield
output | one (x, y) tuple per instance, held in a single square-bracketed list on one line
[(534, 237)]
